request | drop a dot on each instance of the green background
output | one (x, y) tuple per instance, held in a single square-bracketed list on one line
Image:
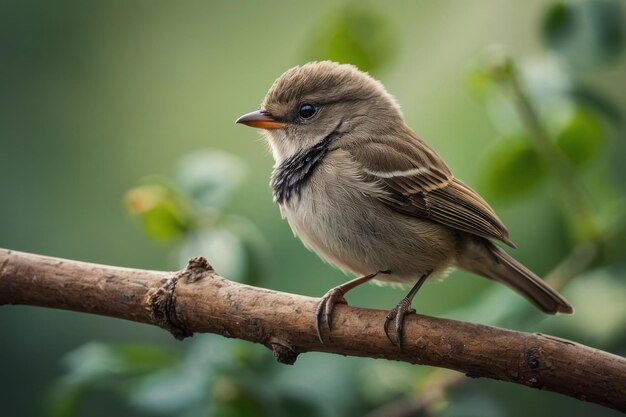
[(96, 95)]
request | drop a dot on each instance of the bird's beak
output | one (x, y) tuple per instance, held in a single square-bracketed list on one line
[(260, 119)]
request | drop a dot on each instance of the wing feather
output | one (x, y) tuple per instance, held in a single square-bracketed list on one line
[(420, 184)]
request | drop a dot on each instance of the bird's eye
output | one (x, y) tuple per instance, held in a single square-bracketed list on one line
[(306, 110)]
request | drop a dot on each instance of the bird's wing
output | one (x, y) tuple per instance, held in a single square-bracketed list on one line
[(418, 183)]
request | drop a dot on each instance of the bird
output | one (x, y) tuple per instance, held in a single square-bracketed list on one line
[(368, 195)]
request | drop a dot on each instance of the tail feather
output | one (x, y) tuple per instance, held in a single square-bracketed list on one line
[(488, 260)]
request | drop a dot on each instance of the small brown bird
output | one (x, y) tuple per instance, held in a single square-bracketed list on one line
[(365, 193)]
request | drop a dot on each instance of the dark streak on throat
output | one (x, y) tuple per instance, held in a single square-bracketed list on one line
[(293, 173)]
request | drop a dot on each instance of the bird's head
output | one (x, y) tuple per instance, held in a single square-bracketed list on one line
[(311, 101)]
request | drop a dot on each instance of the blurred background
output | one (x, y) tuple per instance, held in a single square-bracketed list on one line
[(118, 146)]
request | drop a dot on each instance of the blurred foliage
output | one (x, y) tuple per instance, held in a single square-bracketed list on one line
[(197, 70), (209, 378), (357, 34), (513, 169), (161, 213), (96, 365), (186, 209), (585, 34), (565, 122), (581, 138)]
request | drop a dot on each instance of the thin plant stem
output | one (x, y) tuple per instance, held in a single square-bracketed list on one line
[(575, 200)]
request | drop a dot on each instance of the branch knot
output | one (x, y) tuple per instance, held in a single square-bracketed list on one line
[(162, 301), (197, 267), (283, 353)]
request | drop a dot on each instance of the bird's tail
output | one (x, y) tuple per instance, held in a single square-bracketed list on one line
[(486, 259)]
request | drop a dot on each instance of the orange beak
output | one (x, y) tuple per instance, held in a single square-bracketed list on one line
[(261, 120)]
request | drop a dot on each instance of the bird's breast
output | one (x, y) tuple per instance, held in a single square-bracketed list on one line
[(338, 216)]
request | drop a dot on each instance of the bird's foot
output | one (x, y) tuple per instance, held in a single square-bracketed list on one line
[(402, 309), (335, 296), (325, 308)]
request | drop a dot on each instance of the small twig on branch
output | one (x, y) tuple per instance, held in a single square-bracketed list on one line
[(198, 300)]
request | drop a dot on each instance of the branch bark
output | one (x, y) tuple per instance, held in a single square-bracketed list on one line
[(196, 299)]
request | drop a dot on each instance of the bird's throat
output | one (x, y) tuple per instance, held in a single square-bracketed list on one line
[(292, 174)]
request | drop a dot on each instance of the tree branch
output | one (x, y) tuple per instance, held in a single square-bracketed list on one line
[(198, 300)]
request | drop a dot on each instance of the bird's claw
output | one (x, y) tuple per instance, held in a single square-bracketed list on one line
[(397, 314), (325, 308)]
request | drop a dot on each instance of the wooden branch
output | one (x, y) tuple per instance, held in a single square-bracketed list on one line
[(198, 300)]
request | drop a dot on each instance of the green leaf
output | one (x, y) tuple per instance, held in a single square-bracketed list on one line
[(585, 33), (160, 211), (581, 138), (358, 35), (559, 25), (163, 221), (511, 168)]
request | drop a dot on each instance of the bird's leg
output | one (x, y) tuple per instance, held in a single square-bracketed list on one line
[(335, 296), (399, 311)]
